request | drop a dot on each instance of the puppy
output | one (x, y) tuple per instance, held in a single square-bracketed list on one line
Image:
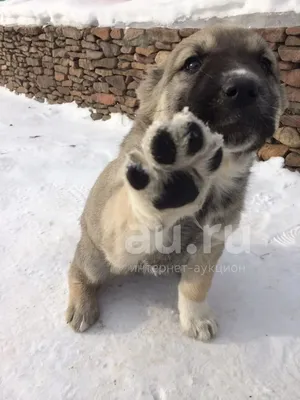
[(185, 164)]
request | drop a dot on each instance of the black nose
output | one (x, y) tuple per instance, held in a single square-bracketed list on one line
[(241, 90)]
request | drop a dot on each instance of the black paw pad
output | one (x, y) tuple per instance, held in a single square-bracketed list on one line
[(195, 134), (178, 191), (137, 176), (216, 160), (163, 148)]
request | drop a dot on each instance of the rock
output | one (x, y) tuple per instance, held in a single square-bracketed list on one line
[(67, 83), (76, 72), (116, 33), (63, 90), (283, 65), (289, 53), (72, 33), (294, 107), (144, 60), (292, 41), (131, 102), (163, 46), (115, 109), (161, 57), (293, 94), (288, 136), (124, 65), (37, 70), (133, 85), (75, 79), (90, 38), (272, 150), (146, 51), (60, 68), (48, 71), (164, 35), (108, 63), (59, 77), (86, 64), (136, 65), (104, 98), (126, 57), (291, 78), (94, 55), (115, 91), (101, 87), (102, 33), (274, 35), (72, 42), (21, 90), (127, 110), (110, 49), (103, 72), (117, 82), (291, 120), (34, 62), (45, 81), (96, 116), (127, 49), (73, 48), (295, 30), (292, 160), (89, 45), (58, 53), (187, 32), (135, 37)]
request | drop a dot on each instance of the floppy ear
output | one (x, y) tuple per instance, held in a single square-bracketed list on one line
[(148, 92)]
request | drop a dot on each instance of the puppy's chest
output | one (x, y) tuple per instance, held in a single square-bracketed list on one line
[(227, 192)]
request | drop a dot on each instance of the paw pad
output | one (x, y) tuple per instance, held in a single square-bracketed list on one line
[(137, 176), (163, 148), (216, 160), (179, 190), (196, 139)]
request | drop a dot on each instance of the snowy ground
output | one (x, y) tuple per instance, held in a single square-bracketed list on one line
[(49, 158), (160, 12)]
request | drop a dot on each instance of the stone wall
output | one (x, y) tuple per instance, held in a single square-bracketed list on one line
[(100, 68)]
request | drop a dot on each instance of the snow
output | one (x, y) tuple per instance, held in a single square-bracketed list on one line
[(49, 158), (128, 12)]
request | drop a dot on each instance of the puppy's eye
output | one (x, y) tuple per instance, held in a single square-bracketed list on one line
[(266, 65), (192, 64)]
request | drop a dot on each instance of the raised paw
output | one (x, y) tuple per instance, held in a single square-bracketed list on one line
[(82, 313), (176, 159), (180, 142)]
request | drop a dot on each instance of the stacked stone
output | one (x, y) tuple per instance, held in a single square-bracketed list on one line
[(100, 68), (286, 141)]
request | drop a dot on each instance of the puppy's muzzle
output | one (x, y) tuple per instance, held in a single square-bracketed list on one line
[(240, 90)]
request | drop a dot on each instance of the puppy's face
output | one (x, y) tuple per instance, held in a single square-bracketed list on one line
[(228, 77)]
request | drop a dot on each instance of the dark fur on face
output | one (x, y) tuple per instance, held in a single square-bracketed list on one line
[(228, 78)]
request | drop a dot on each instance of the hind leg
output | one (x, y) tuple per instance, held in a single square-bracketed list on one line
[(87, 273)]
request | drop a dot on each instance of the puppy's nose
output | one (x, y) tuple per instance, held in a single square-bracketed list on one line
[(241, 90)]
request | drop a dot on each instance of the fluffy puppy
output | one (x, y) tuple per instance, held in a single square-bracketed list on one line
[(185, 165)]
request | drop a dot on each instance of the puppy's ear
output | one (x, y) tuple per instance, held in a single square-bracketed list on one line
[(148, 92)]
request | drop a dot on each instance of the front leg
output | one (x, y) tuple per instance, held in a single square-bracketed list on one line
[(196, 317)]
